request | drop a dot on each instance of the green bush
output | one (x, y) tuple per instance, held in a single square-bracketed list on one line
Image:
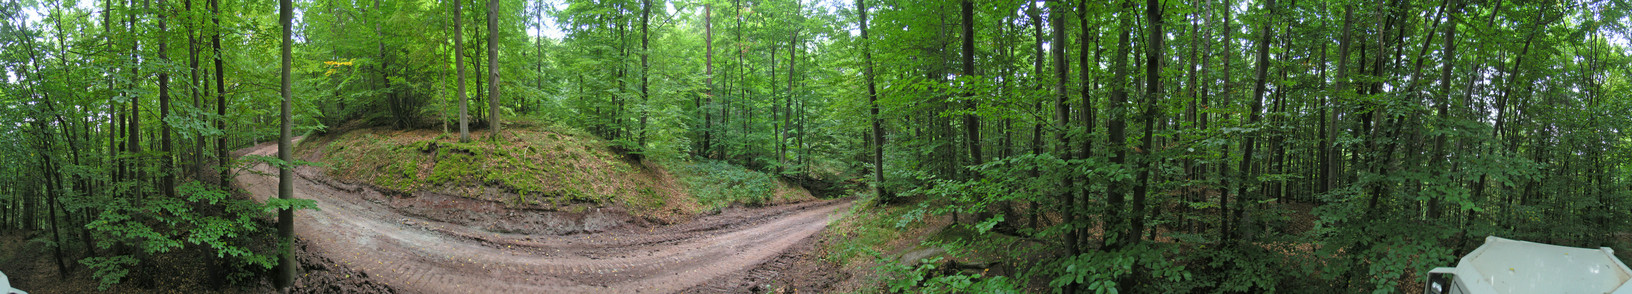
[(158, 225), (717, 184)]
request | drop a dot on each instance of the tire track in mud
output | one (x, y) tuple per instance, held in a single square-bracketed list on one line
[(417, 255)]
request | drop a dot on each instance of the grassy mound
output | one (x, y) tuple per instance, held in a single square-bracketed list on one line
[(534, 165)]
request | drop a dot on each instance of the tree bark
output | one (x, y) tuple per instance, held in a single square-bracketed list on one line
[(167, 181), (971, 122), (1117, 127), (493, 68), (1084, 78), (1448, 62), (133, 141), (1153, 92), (645, 75), (1062, 114), (459, 63), (286, 185), (872, 100), (195, 161), (1261, 74), (221, 154), (708, 81)]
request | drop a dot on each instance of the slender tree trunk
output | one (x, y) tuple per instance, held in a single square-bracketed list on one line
[(1261, 74), (286, 185), (1448, 61), (1085, 147), (708, 81), (221, 154), (1062, 114), (1037, 70), (51, 188), (1227, 215), (1153, 92), (1116, 190), (872, 100), (167, 181), (971, 122), (196, 156), (788, 100), (459, 63), (1334, 155), (645, 75), (133, 141), (1190, 171), (493, 68)]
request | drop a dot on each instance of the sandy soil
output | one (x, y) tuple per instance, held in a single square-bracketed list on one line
[(362, 241)]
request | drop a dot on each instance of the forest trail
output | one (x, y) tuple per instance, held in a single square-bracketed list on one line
[(356, 230)]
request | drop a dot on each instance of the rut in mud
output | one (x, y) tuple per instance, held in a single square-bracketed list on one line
[(358, 230)]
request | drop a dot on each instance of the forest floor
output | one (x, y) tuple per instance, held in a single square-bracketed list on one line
[(360, 240)]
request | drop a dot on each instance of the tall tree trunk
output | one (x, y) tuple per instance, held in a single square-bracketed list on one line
[(1153, 92), (971, 122), (1084, 78), (788, 100), (645, 75), (1116, 190), (708, 81), (872, 100), (1334, 155), (51, 188), (1062, 114), (1261, 74), (195, 161), (1448, 62), (493, 68), (167, 181), (1227, 215), (459, 63), (1037, 57), (133, 141), (221, 154), (286, 185)]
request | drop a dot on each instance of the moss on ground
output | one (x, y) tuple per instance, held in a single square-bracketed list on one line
[(535, 164)]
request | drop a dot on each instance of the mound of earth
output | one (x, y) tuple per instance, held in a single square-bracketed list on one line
[(536, 178)]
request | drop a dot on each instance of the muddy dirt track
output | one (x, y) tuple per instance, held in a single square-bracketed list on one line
[(358, 229)]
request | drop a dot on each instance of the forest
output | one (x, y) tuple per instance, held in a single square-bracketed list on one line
[(962, 146)]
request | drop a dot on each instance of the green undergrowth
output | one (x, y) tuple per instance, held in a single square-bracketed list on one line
[(717, 184), (534, 165), (541, 165), (905, 248)]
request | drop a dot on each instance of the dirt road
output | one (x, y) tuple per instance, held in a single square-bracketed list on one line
[(356, 228)]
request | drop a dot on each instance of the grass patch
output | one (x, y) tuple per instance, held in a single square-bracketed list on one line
[(864, 232), (534, 164), (906, 248), (541, 165), (717, 184)]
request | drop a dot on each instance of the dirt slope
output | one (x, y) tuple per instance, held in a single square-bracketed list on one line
[(357, 229)]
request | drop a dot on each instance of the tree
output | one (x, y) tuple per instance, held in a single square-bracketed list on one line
[(708, 78), (645, 73), (220, 97), (493, 67), (167, 182), (1057, 11), (1153, 92), (872, 100), (971, 121), (459, 62), (1117, 127), (286, 185)]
